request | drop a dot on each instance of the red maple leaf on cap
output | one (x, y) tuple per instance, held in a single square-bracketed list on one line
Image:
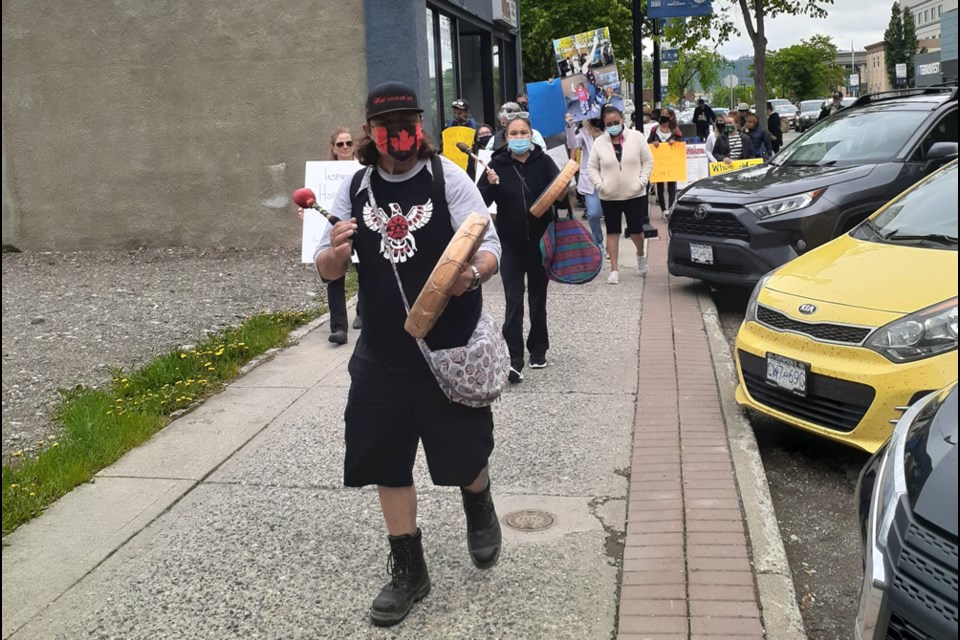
[(403, 141)]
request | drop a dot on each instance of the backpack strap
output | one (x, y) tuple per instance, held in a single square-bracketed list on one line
[(439, 182), (355, 183)]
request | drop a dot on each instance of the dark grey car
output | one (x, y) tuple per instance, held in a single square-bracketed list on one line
[(735, 227)]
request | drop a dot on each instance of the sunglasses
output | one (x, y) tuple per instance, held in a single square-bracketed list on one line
[(513, 115), (344, 144)]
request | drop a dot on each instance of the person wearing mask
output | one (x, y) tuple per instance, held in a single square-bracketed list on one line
[(773, 128), (394, 401), (341, 148), (743, 110), (831, 108), (461, 115), (759, 139), (483, 135), (704, 118), (583, 140), (715, 132), (666, 131), (499, 139), (732, 144), (523, 102), (518, 174), (619, 167)]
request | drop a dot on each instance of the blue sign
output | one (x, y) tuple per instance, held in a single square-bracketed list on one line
[(676, 8), (669, 55)]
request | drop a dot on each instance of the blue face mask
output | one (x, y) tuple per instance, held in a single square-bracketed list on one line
[(519, 145), (614, 130)]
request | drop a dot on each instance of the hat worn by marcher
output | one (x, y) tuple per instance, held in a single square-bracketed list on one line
[(837, 95), (460, 103), (743, 106), (389, 97)]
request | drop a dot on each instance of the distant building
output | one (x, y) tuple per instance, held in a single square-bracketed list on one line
[(855, 65), (876, 70), (927, 15)]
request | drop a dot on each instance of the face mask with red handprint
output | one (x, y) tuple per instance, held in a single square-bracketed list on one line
[(400, 142)]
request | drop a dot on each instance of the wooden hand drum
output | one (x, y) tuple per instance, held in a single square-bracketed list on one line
[(433, 299), (555, 190)]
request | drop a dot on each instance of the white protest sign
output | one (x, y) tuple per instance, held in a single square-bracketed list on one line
[(485, 155), (698, 165), (325, 178)]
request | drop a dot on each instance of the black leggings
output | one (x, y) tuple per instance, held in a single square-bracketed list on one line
[(671, 190)]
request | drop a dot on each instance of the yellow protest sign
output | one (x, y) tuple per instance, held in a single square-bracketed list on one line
[(453, 135), (669, 162), (722, 167)]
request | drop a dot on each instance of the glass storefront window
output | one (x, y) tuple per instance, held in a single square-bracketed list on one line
[(448, 74), (431, 117), (497, 77)]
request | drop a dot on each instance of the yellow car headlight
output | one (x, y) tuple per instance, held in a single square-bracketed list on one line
[(922, 334)]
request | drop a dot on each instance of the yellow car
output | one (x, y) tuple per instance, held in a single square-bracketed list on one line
[(834, 341)]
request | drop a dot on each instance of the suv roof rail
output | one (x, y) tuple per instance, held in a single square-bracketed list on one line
[(870, 98)]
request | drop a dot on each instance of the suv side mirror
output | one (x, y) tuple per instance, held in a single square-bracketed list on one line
[(941, 151)]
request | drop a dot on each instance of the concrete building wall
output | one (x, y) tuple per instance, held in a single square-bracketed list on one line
[(158, 123)]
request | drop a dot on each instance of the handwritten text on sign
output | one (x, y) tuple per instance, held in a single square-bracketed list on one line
[(325, 178), (669, 162), (722, 167)]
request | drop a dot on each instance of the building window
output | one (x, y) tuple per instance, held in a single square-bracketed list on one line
[(450, 89), (431, 117)]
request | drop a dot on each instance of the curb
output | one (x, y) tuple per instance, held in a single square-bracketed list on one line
[(778, 599)]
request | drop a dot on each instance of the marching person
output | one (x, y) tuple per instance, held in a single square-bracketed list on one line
[(499, 140), (666, 131), (482, 136), (583, 140), (394, 400), (732, 144), (773, 128), (715, 131), (704, 118), (834, 106), (518, 174), (619, 167), (461, 114), (761, 146), (341, 148)]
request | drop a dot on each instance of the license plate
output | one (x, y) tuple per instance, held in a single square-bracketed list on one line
[(701, 253), (787, 374)]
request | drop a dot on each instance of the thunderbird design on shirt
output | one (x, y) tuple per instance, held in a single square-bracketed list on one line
[(398, 240)]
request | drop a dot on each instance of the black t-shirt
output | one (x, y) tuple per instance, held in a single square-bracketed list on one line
[(418, 230)]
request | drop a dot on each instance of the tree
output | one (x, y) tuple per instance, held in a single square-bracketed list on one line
[(720, 97), (543, 21), (909, 43), (755, 12), (806, 70), (893, 42), (702, 63)]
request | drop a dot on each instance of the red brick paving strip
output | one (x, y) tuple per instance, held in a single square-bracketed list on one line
[(686, 569)]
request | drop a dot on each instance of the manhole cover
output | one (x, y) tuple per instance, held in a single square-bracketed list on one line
[(530, 520)]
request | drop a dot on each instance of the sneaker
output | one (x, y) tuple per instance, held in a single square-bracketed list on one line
[(357, 323), (514, 376), (642, 265), (338, 337), (538, 363), (613, 278)]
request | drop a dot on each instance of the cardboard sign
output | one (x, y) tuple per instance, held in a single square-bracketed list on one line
[(588, 73), (547, 108), (451, 136), (669, 162), (717, 168), (697, 164), (325, 178)]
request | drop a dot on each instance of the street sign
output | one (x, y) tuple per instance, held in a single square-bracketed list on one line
[(669, 55), (730, 81), (901, 69), (854, 79), (675, 8), (664, 77)]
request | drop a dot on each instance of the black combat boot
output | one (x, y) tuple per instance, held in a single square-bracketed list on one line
[(483, 528), (410, 582)]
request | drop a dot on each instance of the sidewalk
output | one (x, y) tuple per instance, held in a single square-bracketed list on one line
[(232, 522)]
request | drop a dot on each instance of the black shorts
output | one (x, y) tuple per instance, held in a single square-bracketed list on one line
[(388, 414), (635, 210)]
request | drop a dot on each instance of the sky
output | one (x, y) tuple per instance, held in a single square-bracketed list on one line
[(862, 21)]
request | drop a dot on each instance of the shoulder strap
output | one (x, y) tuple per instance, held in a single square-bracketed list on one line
[(355, 183), (439, 182)]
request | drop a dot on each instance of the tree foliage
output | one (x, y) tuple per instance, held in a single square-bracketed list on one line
[(700, 63), (721, 96), (901, 43), (804, 71), (543, 21), (755, 13)]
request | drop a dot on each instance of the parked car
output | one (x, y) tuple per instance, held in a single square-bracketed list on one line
[(835, 340), (809, 114), (788, 112), (734, 227), (907, 502)]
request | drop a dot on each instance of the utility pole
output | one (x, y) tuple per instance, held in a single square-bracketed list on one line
[(637, 62), (657, 105)]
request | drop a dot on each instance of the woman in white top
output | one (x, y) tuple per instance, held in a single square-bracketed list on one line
[(712, 139), (619, 167), (583, 140)]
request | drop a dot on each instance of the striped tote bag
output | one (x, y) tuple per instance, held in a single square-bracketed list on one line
[(570, 254)]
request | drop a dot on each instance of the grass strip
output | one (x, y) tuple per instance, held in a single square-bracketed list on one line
[(100, 425)]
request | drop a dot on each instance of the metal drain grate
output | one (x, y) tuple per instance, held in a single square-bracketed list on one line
[(530, 520)]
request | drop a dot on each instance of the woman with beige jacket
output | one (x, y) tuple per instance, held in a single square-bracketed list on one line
[(620, 167)]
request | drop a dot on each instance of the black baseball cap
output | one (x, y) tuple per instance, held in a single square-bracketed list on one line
[(837, 95), (460, 103), (389, 97)]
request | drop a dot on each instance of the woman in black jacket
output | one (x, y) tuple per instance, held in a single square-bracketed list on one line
[(518, 174)]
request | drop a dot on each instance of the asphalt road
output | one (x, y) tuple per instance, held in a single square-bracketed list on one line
[(812, 483)]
